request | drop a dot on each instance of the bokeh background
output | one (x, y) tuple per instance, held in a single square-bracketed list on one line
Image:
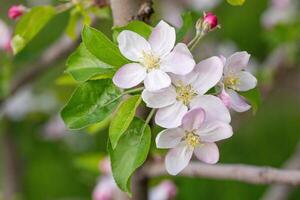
[(47, 162)]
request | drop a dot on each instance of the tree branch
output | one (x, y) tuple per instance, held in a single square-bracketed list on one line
[(238, 172)]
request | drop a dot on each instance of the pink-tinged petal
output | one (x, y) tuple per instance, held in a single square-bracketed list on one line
[(180, 61), (210, 72), (162, 38), (157, 80), (178, 80), (132, 45), (171, 116), (213, 107), (246, 81), (169, 138), (193, 119), (159, 99), (238, 103), (223, 59), (207, 153), (129, 75), (105, 189), (166, 190), (226, 99), (178, 158), (237, 62), (214, 131)]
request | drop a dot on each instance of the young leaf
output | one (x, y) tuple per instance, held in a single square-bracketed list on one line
[(29, 25), (236, 2), (83, 65), (102, 48), (122, 119), (139, 27), (187, 24), (130, 153), (253, 96), (91, 102)]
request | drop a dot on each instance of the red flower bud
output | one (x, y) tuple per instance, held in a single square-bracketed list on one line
[(16, 11), (211, 20)]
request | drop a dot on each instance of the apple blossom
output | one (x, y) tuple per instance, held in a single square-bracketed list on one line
[(235, 78), (105, 189), (198, 134), (16, 11), (187, 92), (163, 191), (210, 20), (5, 37), (152, 58)]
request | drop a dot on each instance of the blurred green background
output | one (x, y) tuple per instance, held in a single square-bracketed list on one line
[(51, 167)]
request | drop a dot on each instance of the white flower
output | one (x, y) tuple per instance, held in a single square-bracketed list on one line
[(198, 134), (188, 92), (166, 190), (235, 78), (152, 58)]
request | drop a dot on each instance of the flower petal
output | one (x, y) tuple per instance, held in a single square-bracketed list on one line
[(213, 107), (169, 138), (179, 61), (162, 38), (178, 158), (246, 81), (210, 72), (129, 75), (214, 131), (160, 99), (208, 153), (193, 119), (237, 62), (157, 80), (132, 45), (187, 79), (171, 116), (226, 99), (237, 102)]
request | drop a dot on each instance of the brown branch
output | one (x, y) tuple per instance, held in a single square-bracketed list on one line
[(282, 192), (238, 172)]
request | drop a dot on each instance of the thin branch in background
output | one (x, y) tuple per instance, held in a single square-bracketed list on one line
[(282, 192), (237, 172)]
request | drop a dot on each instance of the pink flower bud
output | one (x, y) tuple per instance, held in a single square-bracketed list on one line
[(210, 20), (225, 98), (16, 11)]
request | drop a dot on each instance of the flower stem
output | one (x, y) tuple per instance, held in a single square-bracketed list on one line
[(132, 91), (193, 43), (149, 117)]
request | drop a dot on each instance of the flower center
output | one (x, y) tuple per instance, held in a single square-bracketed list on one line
[(151, 61), (185, 94), (192, 139), (231, 82)]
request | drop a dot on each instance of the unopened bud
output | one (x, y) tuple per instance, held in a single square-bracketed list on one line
[(208, 23), (16, 11)]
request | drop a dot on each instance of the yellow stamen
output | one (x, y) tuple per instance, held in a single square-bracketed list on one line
[(231, 82), (185, 93), (192, 139), (151, 61)]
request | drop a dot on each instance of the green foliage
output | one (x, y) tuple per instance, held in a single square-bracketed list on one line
[(122, 119), (236, 2), (130, 153), (83, 65), (91, 102), (139, 27), (102, 48), (29, 26), (254, 98)]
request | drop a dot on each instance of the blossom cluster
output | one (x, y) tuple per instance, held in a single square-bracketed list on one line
[(181, 91)]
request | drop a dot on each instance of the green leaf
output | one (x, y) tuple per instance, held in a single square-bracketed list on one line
[(91, 102), (236, 2), (254, 98), (187, 24), (130, 153), (102, 48), (122, 119), (139, 27), (30, 24), (83, 65)]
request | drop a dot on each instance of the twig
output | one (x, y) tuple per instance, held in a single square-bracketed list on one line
[(282, 192), (238, 172)]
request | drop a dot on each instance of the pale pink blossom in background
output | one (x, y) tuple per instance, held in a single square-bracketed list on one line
[(166, 190), (187, 92), (55, 129), (236, 79), (5, 37), (105, 188), (152, 59), (197, 135), (16, 11)]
